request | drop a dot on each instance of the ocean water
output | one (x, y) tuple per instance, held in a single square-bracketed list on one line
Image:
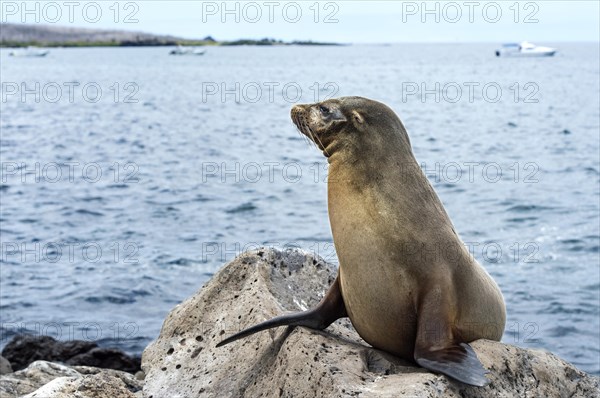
[(117, 206)]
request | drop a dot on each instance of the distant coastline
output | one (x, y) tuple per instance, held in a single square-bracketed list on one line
[(21, 35)]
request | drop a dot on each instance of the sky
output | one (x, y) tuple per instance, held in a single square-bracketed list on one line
[(329, 21)]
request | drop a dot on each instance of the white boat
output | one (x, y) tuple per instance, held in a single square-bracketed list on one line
[(524, 49), (181, 50), (29, 52)]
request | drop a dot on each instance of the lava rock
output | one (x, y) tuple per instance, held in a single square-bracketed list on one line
[(108, 358), (5, 366), (23, 350), (43, 379), (299, 362)]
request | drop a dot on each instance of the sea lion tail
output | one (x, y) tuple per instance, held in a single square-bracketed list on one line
[(458, 361)]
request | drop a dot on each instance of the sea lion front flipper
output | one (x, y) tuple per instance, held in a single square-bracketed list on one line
[(324, 314), (458, 361)]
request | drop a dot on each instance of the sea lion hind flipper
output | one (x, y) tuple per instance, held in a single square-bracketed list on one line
[(458, 361), (328, 311), (305, 318)]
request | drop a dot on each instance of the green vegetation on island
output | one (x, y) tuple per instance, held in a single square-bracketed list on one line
[(21, 35)]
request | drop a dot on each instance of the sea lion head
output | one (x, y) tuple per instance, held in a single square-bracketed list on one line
[(356, 126)]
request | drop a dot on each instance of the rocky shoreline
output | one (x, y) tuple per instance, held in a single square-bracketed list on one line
[(24, 35), (292, 362), (41, 366)]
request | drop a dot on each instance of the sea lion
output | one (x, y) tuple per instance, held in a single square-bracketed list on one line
[(406, 280)]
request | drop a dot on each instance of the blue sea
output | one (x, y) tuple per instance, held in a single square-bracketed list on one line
[(129, 176)]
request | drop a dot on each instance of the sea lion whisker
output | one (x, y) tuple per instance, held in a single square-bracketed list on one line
[(299, 126), (308, 136), (300, 129), (306, 128), (304, 137), (315, 136), (324, 149)]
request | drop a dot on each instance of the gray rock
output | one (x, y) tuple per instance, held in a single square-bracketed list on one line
[(31, 378), (5, 366), (25, 349), (98, 385), (286, 362), (52, 380), (140, 375), (108, 358)]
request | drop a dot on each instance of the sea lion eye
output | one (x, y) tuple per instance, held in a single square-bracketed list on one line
[(324, 109)]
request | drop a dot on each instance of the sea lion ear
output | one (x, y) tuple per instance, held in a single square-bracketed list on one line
[(358, 118)]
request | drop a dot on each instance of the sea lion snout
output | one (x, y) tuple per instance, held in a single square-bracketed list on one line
[(299, 115), (296, 109)]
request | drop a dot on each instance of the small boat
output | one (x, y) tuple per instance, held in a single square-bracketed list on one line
[(29, 52), (181, 50), (524, 49)]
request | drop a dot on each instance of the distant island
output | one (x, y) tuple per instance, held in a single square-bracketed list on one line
[(21, 35)]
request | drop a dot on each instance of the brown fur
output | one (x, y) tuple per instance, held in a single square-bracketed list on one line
[(407, 281)]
